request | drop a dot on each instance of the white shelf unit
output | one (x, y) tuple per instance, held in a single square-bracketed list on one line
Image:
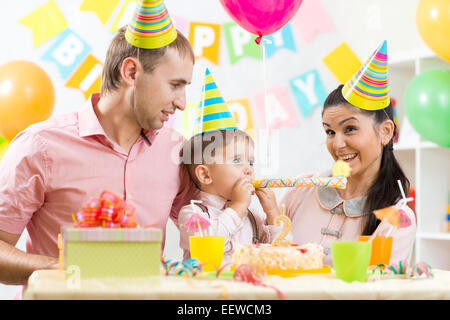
[(426, 164)]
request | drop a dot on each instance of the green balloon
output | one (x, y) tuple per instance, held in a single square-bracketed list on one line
[(427, 105)]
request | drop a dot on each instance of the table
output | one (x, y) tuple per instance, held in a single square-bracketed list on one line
[(52, 284)]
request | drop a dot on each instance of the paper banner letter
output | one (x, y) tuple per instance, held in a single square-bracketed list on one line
[(45, 22), (67, 52), (240, 43), (309, 91), (205, 39), (189, 115), (312, 19), (180, 24), (280, 111), (240, 108), (102, 8), (124, 16), (87, 77), (282, 39), (342, 62)]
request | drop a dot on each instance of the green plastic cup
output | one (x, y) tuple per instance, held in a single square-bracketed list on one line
[(351, 260)]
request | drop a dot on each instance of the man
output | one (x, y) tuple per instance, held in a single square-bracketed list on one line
[(116, 142)]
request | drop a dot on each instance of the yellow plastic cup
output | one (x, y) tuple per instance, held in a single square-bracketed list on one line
[(351, 260), (381, 249), (208, 250)]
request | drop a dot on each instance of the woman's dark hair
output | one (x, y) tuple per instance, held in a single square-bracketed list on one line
[(385, 191)]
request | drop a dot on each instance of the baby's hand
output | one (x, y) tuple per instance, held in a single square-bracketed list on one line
[(241, 196), (268, 203)]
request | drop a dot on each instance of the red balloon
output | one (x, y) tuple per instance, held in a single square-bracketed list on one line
[(261, 17)]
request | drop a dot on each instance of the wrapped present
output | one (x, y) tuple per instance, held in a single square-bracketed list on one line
[(112, 252), (106, 241)]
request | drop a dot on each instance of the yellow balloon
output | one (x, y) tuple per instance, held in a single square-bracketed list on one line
[(26, 96), (433, 23)]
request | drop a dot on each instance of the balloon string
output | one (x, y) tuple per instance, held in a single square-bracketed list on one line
[(266, 104)]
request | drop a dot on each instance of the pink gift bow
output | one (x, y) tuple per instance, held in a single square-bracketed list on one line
[(108, 211)]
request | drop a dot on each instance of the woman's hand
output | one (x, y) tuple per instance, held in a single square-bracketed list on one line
[(268, 203)]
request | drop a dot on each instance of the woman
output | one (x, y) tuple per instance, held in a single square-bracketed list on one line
[(363, 139)]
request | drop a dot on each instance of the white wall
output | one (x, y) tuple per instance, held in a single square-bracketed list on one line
[(298, 149)]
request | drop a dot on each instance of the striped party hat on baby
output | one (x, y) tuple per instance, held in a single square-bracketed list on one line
[(151, 26), (368, 88), (212, 112)]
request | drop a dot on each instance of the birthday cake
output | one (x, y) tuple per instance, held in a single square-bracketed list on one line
[(291, 257)]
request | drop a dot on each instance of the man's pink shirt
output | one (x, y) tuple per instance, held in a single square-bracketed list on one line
[(52, 168)]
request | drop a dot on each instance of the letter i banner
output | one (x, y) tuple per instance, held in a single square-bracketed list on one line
[(87, 77), (309, 91), (205, 40)]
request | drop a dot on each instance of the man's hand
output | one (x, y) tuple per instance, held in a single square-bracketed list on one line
[(15, 265)]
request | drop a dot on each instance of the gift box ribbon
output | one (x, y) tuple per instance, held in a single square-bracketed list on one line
[(108, 211)]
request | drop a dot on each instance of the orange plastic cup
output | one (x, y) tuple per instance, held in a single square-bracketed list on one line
[(208, 250), (381, 249)]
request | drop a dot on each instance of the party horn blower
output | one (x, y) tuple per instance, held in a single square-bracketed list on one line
[(341, 170), (196, 223), (333, 182)]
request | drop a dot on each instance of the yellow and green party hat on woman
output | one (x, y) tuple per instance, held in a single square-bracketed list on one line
[(368, 88), (151, 26), (212, 112)]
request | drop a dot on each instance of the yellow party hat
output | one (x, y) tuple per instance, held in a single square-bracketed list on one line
[(212, 113), (150, 26), (368, 88)]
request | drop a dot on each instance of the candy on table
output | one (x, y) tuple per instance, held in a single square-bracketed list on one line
[(341, 170)]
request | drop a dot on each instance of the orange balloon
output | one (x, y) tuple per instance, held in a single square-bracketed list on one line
[(433, 23), (26, 96)]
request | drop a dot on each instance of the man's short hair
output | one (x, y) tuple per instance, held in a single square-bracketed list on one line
[(119, 49)]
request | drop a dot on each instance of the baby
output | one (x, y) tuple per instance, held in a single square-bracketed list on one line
[(220, 163)]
